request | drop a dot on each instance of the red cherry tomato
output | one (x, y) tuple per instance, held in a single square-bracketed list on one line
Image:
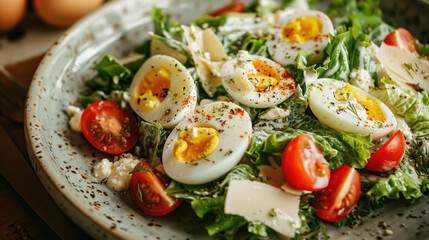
[(403, 39), (389, 155), (148, 191), (233, 7), (338, 199), (109, 128), (303, 164)]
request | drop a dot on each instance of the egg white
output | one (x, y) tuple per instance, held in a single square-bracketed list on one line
[(181, 98), (234, 137), (284, 89), (325, 107), (285, 52)]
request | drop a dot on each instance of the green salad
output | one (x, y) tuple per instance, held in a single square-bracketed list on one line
[(272, 119)]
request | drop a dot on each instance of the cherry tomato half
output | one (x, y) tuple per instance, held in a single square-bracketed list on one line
[(233, 7), (109, 128), (401, 38), (338, 199), (303, 164), (148, 191), (389, 155)]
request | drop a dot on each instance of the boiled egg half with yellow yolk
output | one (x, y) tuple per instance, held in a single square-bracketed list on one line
[(208, 143), (299, 31), (256, 81), (163, 91), (344, 107)]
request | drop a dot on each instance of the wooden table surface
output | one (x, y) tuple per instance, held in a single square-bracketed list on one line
[(18, 220)]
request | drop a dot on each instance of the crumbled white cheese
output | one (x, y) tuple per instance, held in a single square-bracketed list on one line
[(117, 173), (103, 169), (275, 113), (244, 67), (75, 114), (362, 79)]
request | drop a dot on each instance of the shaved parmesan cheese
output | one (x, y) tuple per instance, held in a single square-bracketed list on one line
[(208, 55), (159, 48), (260, 202), (404, 66), (272, 176), (291, 189)]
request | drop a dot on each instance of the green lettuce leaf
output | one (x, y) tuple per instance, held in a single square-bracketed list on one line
[(225, 224), (151, 141), (337, 64), (338, 148), (210, 198), (401, 184), (171, 34), (414, 106), (112, 80), (367, 13), (418, 153), (215, 188)]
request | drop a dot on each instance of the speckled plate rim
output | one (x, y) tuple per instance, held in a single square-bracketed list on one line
[(53, 182), (56, 185)]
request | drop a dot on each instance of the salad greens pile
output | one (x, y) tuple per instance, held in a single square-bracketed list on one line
[(358, 26)]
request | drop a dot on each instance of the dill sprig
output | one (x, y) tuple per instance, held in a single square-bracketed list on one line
[(352, 108), (409, 67)]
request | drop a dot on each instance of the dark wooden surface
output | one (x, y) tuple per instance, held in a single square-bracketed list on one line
[(18, 220)]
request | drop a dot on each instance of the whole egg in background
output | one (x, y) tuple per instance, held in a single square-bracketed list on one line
[(63, 13), (11, 13)]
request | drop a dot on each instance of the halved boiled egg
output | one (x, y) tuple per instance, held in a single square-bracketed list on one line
[(344, 107), (163, 90), (256, 81), (299, 31), (208, 143)]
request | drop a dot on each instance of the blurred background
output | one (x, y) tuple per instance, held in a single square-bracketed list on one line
[(29, 27)]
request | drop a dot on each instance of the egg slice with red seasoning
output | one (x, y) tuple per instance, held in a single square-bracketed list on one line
[(299, 31), (163, 91), (208, 143), (256, 81), (344, 107)]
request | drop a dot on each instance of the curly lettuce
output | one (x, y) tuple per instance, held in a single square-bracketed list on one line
[(414, 106), (339, 148), (209, 199)]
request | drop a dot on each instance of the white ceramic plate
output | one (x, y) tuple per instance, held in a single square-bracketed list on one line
[(63, 159)]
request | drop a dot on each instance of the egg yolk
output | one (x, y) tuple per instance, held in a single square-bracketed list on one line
[(371, 106), (152, 89), (265, 79), (302, 29), (196, 143)]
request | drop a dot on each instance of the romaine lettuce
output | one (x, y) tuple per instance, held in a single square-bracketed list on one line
[(414, 106)]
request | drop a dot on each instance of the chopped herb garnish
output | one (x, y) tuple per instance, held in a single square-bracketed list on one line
[(408, 67), (272, 213), (139, 193), (353, 109), (128, 129), (228, 153), (380, 126), (205, 158), (141, 169)]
